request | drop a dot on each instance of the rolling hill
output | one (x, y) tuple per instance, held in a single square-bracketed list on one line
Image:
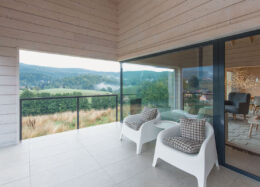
[(38, 77)]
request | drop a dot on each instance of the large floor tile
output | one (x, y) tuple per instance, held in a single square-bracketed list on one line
[(19, 183), (127, 168), (113, 155), (54, 150), (75, 158), (15, 172), (60, 174), (162, 176), (93, 179), (14, 155)]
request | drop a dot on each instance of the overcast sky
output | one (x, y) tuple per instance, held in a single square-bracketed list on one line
[(63, 61)]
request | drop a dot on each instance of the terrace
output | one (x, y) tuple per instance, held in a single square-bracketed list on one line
[(94, 156)]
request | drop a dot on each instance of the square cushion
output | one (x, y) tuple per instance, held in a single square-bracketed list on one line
[(149, 113), (135, 121), (193, 129), (183, 144)]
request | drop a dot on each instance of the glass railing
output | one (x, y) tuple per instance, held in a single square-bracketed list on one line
[(49, 115)]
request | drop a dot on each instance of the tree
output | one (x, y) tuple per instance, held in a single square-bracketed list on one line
[(109, 89), (194, 82), (26, 94), (154, 93)]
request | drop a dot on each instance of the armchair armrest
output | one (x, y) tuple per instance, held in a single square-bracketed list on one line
[(228, 102), (128, 116), (206, 145), (208, 152), (158, 118), (243, 108)]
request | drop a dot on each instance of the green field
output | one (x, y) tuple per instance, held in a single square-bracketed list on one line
[(54, 91)]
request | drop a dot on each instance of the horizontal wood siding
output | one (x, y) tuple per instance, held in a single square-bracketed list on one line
[(147, 27), (9, 105), (73, 27)]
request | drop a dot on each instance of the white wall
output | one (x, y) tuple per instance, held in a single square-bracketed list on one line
[(9, 98)]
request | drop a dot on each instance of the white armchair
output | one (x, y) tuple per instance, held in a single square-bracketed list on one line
[(147, 132), (199, 164)]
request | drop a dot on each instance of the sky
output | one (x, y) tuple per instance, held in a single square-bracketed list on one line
[(64, 61)]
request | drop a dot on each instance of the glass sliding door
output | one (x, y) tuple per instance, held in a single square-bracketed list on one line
[(179, 84), (198, 84), (242, 103)]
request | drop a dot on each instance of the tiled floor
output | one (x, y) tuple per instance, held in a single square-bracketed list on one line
[(95, 157), (243, 160)]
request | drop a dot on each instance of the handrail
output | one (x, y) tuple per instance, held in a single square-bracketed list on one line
[(65, 97)]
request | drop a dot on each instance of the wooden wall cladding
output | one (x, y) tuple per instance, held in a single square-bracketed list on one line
[(150, 26)]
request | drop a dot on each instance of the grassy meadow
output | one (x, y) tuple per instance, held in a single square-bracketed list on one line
[(40, 125)]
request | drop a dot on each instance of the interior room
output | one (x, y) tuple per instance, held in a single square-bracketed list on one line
[(242, 85)]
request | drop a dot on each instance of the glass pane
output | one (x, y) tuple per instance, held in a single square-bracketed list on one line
[(147, 86), (179, 84), (198, 85), (242, 95), (97, 110), (48, 116)]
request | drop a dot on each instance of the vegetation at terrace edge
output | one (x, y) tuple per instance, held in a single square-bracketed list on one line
[(51, 106), (40, 125)]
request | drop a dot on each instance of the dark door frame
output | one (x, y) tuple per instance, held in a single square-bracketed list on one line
[(219, 97), (218, 91)]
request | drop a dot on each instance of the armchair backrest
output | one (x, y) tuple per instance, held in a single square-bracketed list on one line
[(236, 98)]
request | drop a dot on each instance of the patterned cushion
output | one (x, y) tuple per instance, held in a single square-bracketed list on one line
[(183, 144), (193, 129), (149, 113), (135, 121)]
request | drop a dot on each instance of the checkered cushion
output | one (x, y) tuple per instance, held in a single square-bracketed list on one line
[(135, 121), (149, 113), (193, 129), (183, 144)]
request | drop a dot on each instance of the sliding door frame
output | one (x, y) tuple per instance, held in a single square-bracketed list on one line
[(219, 98), (218, 91)]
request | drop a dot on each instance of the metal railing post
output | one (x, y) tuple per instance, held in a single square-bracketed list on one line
[(116, 108), (21, 120), (77, 112), (121, 93)]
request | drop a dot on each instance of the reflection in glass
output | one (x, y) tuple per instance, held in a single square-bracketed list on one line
[(242, 93), (179, 84)]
